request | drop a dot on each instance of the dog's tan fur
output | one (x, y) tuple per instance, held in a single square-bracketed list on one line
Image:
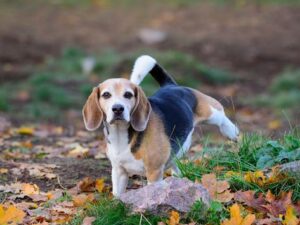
[(154, 156)]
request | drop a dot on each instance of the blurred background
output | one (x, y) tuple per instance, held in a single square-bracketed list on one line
[(245, 53)]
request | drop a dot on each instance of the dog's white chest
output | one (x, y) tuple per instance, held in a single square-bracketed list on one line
[(119, 153)]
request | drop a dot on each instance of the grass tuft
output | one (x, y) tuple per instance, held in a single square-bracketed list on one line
[(253, 153), (114, 212)]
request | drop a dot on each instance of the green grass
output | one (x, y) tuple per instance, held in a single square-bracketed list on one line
[(201, 214), (283, 93), (253, 153), (114, 212)]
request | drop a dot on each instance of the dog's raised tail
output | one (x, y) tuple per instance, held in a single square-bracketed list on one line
[(146, 64)]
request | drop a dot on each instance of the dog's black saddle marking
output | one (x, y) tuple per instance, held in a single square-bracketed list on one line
[(175, 106)]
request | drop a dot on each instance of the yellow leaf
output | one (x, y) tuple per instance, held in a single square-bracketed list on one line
[(11, 215), (290, 217), (174, 218), (248, 220), (78, 151), (25, 130), (256, 177), (274, 124), (3, 170), (100, 185), (49, 195), (237, 219), (30, 189)]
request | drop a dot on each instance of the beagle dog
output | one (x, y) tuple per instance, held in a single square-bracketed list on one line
[(145, 135)]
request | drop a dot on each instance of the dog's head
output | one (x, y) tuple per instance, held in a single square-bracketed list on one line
[(117, 101)]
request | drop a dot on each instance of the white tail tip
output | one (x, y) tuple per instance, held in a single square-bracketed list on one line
[(142, 66)]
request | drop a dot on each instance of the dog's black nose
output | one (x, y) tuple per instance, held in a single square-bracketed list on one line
[(118, 109)]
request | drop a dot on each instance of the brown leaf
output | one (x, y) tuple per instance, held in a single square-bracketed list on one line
[(279, 205), (38, 197), (82, 199), (218, 190), (88, 220), (87, 184), (36, 170), (249, 199)]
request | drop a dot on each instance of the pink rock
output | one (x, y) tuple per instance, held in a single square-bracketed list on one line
[(176, 193)]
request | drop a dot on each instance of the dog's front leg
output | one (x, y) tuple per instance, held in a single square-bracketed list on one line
[(119, 180), (155, 175)]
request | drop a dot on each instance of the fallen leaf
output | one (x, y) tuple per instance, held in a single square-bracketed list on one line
[(26, 205), (36, 170), (256, 177), (237, 219), (88, 220), (11, 214), (218, 190), (26, 144), (274, 124), (100, 185), (248, 198), (38, 197), (78, 151), (277, 206), (82, 199), (30, 189), (87, 184), (174, 218), (3, 170), (26, 130), (290, 217), (197, 148)]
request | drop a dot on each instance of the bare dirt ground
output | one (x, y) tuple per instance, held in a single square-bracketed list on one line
[(254, 42)]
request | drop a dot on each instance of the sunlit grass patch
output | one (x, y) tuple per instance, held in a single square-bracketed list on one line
[(248, 164)]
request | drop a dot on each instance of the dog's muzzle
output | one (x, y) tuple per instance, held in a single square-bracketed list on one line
[(118, 112)]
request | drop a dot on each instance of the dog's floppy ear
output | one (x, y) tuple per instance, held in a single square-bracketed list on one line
[(92, 113), (141, 111)]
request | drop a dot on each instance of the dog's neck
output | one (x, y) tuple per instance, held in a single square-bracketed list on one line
[(117, 135)]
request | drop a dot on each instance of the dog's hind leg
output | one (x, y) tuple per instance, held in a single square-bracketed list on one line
[(210, 111)]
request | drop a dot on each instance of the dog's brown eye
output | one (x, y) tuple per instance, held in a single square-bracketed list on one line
[(128, 95), (106, 95)]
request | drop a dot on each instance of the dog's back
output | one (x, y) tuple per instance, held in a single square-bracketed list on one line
[(181, 107), (175, 105)]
